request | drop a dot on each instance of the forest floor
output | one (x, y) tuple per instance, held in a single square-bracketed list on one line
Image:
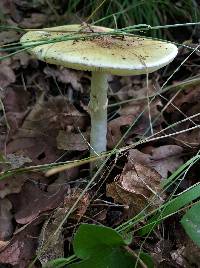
[(45, 120)]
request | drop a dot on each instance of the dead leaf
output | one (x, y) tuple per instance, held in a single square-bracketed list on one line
[(63, 179), (6, 225), (17, 161), (82, 205), (114, 130), (136, 187), (184, 99), (191, 254), (37, 137), (7, 75), (15, 103), (51, 240), (32, 201), (72, 141), (163, 159), (36, 20), (21, 249), (8, 37), (11, 185), (190, 139), (166, 158), (134, 87), (66, 76), (127, 116)]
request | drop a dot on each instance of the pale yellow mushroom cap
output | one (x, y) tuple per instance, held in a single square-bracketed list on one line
[(107, 53)]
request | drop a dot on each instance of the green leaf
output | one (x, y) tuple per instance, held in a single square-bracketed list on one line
[(147, 259), (90, 237), (191, 223), (103, 247), (172, 207), (107, 257), (57, 263)]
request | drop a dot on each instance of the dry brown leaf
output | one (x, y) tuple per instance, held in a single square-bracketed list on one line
[(185, 98), (7, 75), (20, 250), (136, 187), (17, 161), (66, 76), (6, 225), (36, 138), (8, 37), (55, 248), (128, 114), (189, 140), (11, 185), (35, 20), (32, 201), (72, 141), (134, 88), (163, 159), (166, 158), (114, 129), (82, 205), (15, 103)]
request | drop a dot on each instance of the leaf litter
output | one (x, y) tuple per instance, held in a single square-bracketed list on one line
[(46, 111)]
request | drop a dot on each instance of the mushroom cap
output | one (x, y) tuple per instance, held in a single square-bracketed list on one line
[(88, 50)]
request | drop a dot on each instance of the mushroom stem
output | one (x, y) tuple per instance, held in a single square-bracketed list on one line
[(98, 112)]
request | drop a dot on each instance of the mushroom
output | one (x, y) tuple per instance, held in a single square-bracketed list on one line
[(101, 51)]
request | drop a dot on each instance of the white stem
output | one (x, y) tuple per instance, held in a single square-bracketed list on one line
[(98, 112)]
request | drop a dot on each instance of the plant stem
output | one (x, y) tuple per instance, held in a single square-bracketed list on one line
[(98, 112)]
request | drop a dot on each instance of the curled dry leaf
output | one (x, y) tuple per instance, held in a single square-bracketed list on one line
[(136, 187), (163, 159), (51, 240), (6, 226)]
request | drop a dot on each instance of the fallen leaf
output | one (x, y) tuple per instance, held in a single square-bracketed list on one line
[(134, 88), (127, 116), (6, 225), (36, 20), (190, 139), (166, 158), (163, 159), (37, 136), (51, 240), (15, 103), (184, 99), (17, 161), (136, 187), (20, 250), (72, 141), (66, 76), (11, 185), (7, 75), (31, 202), (7, 37)]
